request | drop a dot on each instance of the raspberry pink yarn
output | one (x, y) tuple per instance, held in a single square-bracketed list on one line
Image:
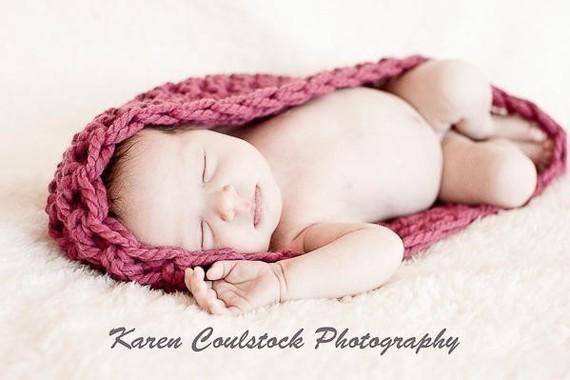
[(77, 204)]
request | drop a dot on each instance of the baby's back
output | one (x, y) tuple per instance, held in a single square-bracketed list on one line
[(355, 155)]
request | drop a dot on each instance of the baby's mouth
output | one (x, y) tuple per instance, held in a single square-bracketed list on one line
[(257, 202)]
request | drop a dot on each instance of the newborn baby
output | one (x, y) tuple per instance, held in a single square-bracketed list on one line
[(315, 178)]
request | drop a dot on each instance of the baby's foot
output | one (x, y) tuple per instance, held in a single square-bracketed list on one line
[(527, 136), (539, 152)]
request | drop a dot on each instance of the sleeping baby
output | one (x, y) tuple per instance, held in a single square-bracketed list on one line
[(316, 179)]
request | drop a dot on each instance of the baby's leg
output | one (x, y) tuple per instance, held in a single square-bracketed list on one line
[(455, 93), (494, 172), (446, 93)]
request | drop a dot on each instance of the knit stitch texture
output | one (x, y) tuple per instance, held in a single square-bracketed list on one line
[(77, 203)]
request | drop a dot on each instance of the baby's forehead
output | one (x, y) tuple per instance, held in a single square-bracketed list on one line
[(172, 131), (152, 148), (152, 168), (157, 137), (152, 134), (156, 154)]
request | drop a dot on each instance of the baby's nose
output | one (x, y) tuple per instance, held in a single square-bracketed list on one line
[(230, 203)]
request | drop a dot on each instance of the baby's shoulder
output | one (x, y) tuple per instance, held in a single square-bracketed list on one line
[(287, 237)]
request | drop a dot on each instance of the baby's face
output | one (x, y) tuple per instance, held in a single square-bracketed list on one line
[(196, 189)]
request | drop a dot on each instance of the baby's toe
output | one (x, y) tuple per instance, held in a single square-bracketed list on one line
[(515, 128), (547, 152), (548, 145), (536, 134)]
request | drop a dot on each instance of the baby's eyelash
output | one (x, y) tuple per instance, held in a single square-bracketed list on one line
[(202, 241), (204, 172)]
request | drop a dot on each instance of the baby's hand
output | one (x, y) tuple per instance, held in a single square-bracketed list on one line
[(234, 287)]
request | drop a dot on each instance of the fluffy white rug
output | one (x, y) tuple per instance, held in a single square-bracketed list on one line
[(502, 287)]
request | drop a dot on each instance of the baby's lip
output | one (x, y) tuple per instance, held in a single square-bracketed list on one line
[(256, 205), (253, 206)]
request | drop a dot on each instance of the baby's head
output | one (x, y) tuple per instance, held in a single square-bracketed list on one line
[(194, 189)]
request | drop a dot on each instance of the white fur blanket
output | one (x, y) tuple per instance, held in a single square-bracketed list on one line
[(502, 287)]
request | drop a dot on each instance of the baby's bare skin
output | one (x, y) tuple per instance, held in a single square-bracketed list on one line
[(348, 157), (341, 163)]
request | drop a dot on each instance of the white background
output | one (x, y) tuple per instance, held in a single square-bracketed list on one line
[(502, 285)]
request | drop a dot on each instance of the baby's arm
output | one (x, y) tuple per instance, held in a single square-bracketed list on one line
[(342, 259)]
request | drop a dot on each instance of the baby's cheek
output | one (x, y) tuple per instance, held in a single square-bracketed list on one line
[(149, 233), (243, 240)]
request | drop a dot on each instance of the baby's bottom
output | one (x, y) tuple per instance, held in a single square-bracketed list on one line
[(496, 171)]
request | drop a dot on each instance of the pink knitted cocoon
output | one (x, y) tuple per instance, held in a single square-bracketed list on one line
[(77, 204)]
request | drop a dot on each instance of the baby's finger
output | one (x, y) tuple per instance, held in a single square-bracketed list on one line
[(234, 310), (201, 276), (188, 278), (220, 269), (212, 294), (198, 287), (216, 306), (192, 279), (212, 303), (199, 273), (203, 293), (233, 301), (227, 296), (201, 296), (198, 277)]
